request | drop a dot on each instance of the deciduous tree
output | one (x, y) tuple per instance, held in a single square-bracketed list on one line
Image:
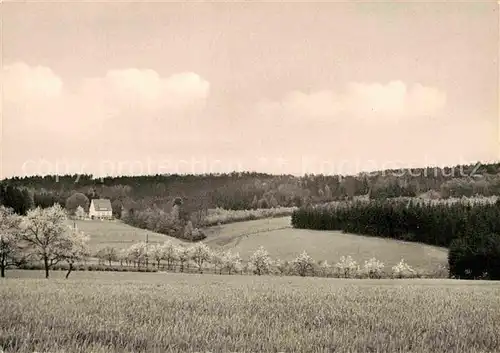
[(303, 264), (261, 261), (75, 200), (80, 212), (74, 249), (11, 252), (373, 268), (47, 235), (157, 254), (183, 255), (347, 266), (138, 252), (170, 253), (200, 253), (108, 254), (231, 262)]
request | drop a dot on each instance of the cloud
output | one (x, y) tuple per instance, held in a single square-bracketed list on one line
[(25, 84), (117, 89), (365, 101), (145, 89), (119, 111), (37, 97)]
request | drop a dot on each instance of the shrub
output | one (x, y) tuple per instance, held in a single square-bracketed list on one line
[(440, 271), (475, 256), (280, 268), (402, 269), (325, 269), (197, 235)]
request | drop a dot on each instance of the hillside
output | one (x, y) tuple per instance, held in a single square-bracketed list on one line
[(251, 190), (117, 234), (285, 243), (280, 240)]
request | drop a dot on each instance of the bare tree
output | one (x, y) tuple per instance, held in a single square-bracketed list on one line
[(109, 254)]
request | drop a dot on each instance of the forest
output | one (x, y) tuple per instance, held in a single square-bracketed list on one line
[(149, 201)]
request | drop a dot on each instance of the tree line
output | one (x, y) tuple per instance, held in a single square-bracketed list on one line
[(471, 230), (144, 201), (239, 191)]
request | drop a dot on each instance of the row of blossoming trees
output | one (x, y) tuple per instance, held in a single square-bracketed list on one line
[(43, 236), (178, 257)]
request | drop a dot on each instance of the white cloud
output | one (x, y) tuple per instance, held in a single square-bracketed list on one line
[(145, 89), (391, 101), (117, 89), (36, 96), (23, 83), (122, 109), (105, 118)]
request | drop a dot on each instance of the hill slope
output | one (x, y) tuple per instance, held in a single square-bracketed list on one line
[(117, 234), (285, 243), (280, 240)]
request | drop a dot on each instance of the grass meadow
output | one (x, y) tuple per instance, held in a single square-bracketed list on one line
[(281, 241), (117, 234), (159, 312), (285, 243)]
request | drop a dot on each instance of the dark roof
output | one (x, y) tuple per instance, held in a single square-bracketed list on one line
[(102, 205)]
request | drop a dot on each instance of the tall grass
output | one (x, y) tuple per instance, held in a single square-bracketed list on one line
[(179, 313)]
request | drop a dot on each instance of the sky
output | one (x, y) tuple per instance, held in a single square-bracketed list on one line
[(133, 88)]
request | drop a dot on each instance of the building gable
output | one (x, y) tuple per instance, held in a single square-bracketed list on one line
[(101, 205)]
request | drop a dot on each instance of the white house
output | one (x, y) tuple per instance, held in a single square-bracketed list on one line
[(100, 208)]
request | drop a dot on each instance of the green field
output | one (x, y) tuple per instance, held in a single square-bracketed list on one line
[(284, 242), (130, 312), (117, 234), (281, 241)]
